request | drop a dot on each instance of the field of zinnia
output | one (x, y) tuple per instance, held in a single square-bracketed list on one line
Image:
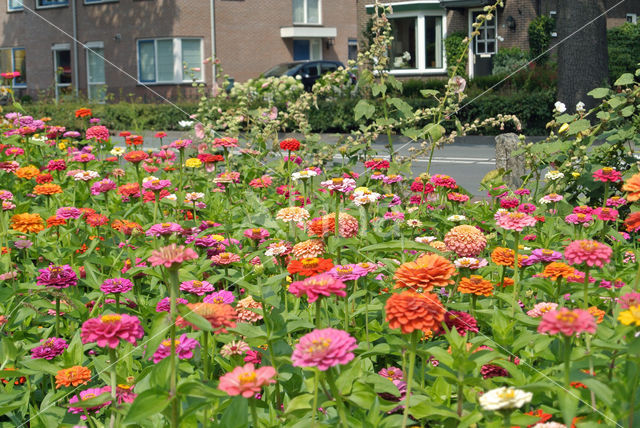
[(205, 284)]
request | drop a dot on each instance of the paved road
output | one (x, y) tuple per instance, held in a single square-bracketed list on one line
[(468, 160)]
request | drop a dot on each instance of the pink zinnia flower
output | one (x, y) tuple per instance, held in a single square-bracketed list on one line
[(247, 380), (568, 322), (225, 258), (164, 305), (545, 255), (88, 394), (630, 299), (116, 285), (509, 202), (441, 180), (461, 321), (592, 253), (324, 349), (184, 349), (197, 287), (172, 255), (393, 216), (607, 174), (391, 373), (235, 347), (257, 234), (102, 186), (515, 221), (526, 208), (222, 296), (83, 157), (254, 357), (57, 277), (180, 144), (616, 201), (108, 330), (322, 284), (156, 185), (348, 272), (340, 184), (99, 132), (541, 308), (579, 218), (163, 229), (68, 213), (49, 348), (606, 214), (225, 142)]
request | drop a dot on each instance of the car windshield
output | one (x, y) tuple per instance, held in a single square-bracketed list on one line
[(280, 69)]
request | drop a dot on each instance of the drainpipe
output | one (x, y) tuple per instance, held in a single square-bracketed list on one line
[(213, 40), (75, 47)]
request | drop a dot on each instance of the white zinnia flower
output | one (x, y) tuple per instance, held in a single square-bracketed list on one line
[(504, 398), (186, 123), (560, 107), (86, 175), (580, 106), (303, 175), (150, 178), (553, 175), (550, 425), (425, 239), (171, 197), (193, 196), (456, 217), (117, 151)]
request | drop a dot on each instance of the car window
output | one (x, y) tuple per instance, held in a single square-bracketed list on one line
[(280, 69), (328, 67), (311, 70)]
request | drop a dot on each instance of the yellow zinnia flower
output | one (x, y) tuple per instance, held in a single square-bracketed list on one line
[(630, 316), (193, 163)]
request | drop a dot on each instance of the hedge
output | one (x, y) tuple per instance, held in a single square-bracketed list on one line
[(624, 50)]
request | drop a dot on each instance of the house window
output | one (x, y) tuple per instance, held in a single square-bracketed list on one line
[(353, 49), (14, 59), (15, 5), (486, 40), (417, 45), (96, 81), (632, 18), (306, 11), (169, 60), (554, 17), (307, 49), (51, 3), (62, 69)]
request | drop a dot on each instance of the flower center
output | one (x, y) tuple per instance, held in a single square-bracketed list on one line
[(256, 231), (318, 346), (110, 318), (309, 263), (168, 342), (568, 317), (218, 238), (225, 256), (337, 180), (166, 225), (589, 245), (245, 378), (344, 269), (547, 252), (197, 284), (607, 170)]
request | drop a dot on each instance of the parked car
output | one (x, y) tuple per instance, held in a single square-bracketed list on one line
[(307, 71)]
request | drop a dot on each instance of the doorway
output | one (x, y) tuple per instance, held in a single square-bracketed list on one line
[(484, 45)]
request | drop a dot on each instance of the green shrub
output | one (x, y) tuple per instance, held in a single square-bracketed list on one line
[(624, 50), (455, 49), (508, 60), (411, 88), (540, 37)]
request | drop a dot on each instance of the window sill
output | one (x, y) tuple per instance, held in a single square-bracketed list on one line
[(14, 10), (139, 83), (54, 6), (417, 71), (92, 3)]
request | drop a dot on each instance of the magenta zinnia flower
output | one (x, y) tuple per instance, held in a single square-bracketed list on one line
[(461, 321), (156, 184), (391, 373), (172, 255), (515, 221), (116, 285), (164, 305), (184, 349), (342, 185), (108, 330), (222, 296), (102, 186), (99, 132), (347, 272), (57, 277), (324, 349), (247, 380), (68, 213), (50, 348), (568, 322), (322, 284), (86, 395), (197, 287), (607, 174), (163, 229), (592, 253)]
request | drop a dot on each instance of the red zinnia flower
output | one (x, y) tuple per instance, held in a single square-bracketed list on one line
[(309, 267), (290, 144)]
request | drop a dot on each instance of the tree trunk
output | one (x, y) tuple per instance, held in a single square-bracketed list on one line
[(583, 60)]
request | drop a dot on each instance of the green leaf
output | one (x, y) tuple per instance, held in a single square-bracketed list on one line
[(599, 92), (194, 318), (435, 131), (625, 79), (41, 365), (378, 88), (237, 414), (568, 406), (602, 391), (429, 92), (364, 109), (301, 402), (402, 106), (148, 403), (578, 126), (627, 111)]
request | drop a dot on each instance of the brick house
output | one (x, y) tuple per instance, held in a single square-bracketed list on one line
[(421, 26), (161, 44)]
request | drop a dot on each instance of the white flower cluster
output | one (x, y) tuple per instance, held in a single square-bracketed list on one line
[(504, 398)]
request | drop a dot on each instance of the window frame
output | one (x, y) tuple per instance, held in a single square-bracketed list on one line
[(50, 6), (178, 68), (633, 16), (554, 15), (352, 43), (305, 9), (420, 16), (92, 2), (89, 46), (15, 9), (13, 64)]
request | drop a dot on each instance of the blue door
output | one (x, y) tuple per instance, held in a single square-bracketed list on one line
[(301, 50)]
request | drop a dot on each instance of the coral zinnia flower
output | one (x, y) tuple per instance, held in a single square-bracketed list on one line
[(411, 311), (73, 376), (632, 222), (247, 380), (245, 314), (127, 227), (426, 272), (47, 189), (323, 284), (324, 349), (295, 214), (556, 270), (172, 256), (136, 156), (309, 267), (477, 285), (632, 186), (27, 223), (597, 313), (592, 253), (503, 256), (465, 241), (220, 316), (308, 249), (108, 330), (567, 322)]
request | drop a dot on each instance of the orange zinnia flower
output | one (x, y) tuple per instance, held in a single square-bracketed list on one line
[(55, 221), (632, 222), (73, 376), (632, 186), (310, 266), (127, 227), (506, 282), (220, 315), (26, 223), (411, 311), (555, 270), (322, 226), (598, 314), (27, 172), (425, 273), (47, 189), (503, 256), (83, 112), (477, 285)]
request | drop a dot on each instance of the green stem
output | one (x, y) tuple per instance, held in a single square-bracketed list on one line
[(516, 273), (460, 393), (254, 412), (205, 354), (173, 293), (337, 219), (318, 313), (585, 300), (314, 409), (113, 357), (567, 361), (57, 316), (340, 404), (412, 362), (117, 296)]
